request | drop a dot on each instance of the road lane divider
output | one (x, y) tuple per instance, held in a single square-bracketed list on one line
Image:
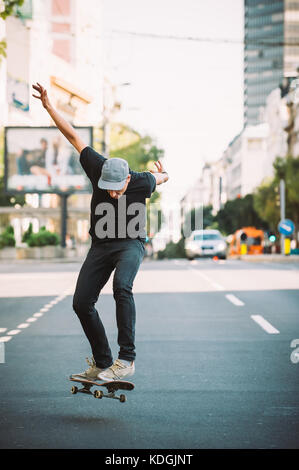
[(4, 339), (45, 308), (260, 320), (214, 284), (234, 300)]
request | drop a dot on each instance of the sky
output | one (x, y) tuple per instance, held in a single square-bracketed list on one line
[(186, 94)]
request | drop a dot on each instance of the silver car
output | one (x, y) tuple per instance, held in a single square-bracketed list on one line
[(205, 243)]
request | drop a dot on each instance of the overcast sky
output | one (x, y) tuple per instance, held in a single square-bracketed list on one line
[(187, 94)]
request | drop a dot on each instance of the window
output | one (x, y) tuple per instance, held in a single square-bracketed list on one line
[(207, 236)]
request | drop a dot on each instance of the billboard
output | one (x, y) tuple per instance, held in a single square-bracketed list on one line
[(41, 160)]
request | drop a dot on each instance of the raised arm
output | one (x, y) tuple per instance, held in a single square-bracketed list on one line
[(161, 175), (67, 130)]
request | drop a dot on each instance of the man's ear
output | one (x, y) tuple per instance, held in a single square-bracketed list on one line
[(128, 178)]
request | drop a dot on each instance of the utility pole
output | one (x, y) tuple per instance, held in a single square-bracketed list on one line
[(63, 219), (282, 214)]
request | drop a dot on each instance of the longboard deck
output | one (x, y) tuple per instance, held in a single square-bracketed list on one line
[(113, 384)]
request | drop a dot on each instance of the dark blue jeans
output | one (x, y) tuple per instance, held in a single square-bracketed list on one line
[(125, 256)]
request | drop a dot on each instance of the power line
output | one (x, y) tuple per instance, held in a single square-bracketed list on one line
[(256, 42)]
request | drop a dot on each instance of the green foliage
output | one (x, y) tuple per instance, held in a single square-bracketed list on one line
[(173, 250), (10, 7), (9, 199), (139, 153), (267, 195), (237, 213), (43, 238), (3, 46), (27, 234), (288, 169), (202, 215), (7, 237), (266, 203)]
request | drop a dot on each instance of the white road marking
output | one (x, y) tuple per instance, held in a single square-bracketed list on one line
[(4, 339), (234, 300), (34, 318), (23, 325), (13, 332), (217, 286), (208, 279), (265, 324)]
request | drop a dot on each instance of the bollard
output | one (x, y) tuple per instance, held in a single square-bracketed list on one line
[(287, 246), (243, 249)]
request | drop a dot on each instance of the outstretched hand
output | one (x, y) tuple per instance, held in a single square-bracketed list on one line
[(159, 167), (42, 95)]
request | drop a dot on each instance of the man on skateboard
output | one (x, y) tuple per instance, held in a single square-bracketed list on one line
[(118, 237)]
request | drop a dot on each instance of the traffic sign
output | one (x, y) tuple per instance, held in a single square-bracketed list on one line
[(286, 227)]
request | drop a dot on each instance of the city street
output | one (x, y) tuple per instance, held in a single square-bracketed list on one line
[(213, 366)]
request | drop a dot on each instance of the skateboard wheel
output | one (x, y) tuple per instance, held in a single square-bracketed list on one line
[(98, 394), (122, 398), (74, 390)]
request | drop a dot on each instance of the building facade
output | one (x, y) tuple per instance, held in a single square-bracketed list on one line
[(271, 51), (58, 44)]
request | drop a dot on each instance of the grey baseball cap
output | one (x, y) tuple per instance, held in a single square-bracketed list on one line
[(114, 174)]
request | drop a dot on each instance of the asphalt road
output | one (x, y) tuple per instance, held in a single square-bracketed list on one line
[(213, 369)]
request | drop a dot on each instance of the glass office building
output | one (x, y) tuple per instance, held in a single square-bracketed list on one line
[(271, 51)]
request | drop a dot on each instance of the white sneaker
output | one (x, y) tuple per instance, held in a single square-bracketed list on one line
[(92, 372), (118, 371)]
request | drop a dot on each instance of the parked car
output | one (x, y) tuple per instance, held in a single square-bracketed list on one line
[(205, 243)]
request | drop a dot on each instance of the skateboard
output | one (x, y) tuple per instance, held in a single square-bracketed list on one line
[(111, 387)]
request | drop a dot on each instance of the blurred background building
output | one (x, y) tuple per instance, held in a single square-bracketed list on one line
[(271, 114), (57, 43), (271, 51)]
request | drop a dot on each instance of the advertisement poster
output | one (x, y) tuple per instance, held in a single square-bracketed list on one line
[(40, 159)]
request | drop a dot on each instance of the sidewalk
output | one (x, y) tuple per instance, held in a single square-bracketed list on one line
[(275, 258)]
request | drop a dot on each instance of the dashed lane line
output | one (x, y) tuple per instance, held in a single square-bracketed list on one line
[(260, 320), (208, 279), (234, 300), (4, 339), (45, 308)]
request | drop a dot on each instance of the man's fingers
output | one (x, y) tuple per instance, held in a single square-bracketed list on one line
[(35, 96), (159, 165)]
